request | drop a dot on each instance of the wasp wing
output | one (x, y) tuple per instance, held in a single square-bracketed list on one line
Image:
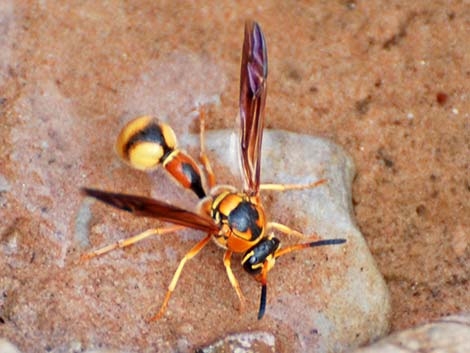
[(254, 71), (146, 207)]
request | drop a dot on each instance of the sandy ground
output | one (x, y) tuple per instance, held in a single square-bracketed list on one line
[(388, 81)]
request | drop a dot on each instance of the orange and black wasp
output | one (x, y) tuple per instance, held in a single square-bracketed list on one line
[(234, 219)]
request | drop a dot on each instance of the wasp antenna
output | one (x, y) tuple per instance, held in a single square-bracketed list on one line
[(262, 302), (327, 242), (281, 252)]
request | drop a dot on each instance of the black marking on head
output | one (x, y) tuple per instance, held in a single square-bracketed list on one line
[(260, 251), (244, 217), (195, 178), (151, 133)]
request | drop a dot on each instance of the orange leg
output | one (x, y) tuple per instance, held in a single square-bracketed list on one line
[(191, 253), (285, 229), (287, 187), (129, 241), (233, 280), (202, 156)]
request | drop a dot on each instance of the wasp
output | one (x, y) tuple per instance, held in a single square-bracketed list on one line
[(235, 220)]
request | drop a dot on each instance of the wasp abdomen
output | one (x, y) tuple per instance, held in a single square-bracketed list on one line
[(145, 143), (183, 168)]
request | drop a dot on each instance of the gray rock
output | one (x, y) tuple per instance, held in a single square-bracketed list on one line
[(7, 347), (259, 342), (331, 298), (326, 299), (447, 335)]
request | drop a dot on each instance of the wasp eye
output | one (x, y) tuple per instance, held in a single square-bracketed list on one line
[(251, 263)]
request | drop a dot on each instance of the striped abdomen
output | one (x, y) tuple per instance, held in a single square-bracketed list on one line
[(145, 143)]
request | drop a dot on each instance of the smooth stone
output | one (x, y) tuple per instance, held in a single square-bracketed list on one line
[(259, 342), (8, 347), (347, 302), (450, 334), (326, 299)]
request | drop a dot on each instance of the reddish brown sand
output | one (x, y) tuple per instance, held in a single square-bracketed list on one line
[(388, 81)]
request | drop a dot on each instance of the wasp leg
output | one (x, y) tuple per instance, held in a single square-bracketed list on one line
[(202, 156), (287, 187), (129, 241), (233, 280), (281, 252), (189, 255), (285, 229), (264, 289)]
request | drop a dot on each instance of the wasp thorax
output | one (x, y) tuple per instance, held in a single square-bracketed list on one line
[(241, 220), (145, 142)]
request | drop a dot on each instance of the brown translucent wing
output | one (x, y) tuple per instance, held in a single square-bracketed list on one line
[(254, 71), (146, 207)]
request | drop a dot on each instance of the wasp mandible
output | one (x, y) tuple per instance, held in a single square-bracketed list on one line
[(235, 220)]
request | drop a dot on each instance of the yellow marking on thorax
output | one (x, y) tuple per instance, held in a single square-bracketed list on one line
[(218, 200), (229, 203)]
